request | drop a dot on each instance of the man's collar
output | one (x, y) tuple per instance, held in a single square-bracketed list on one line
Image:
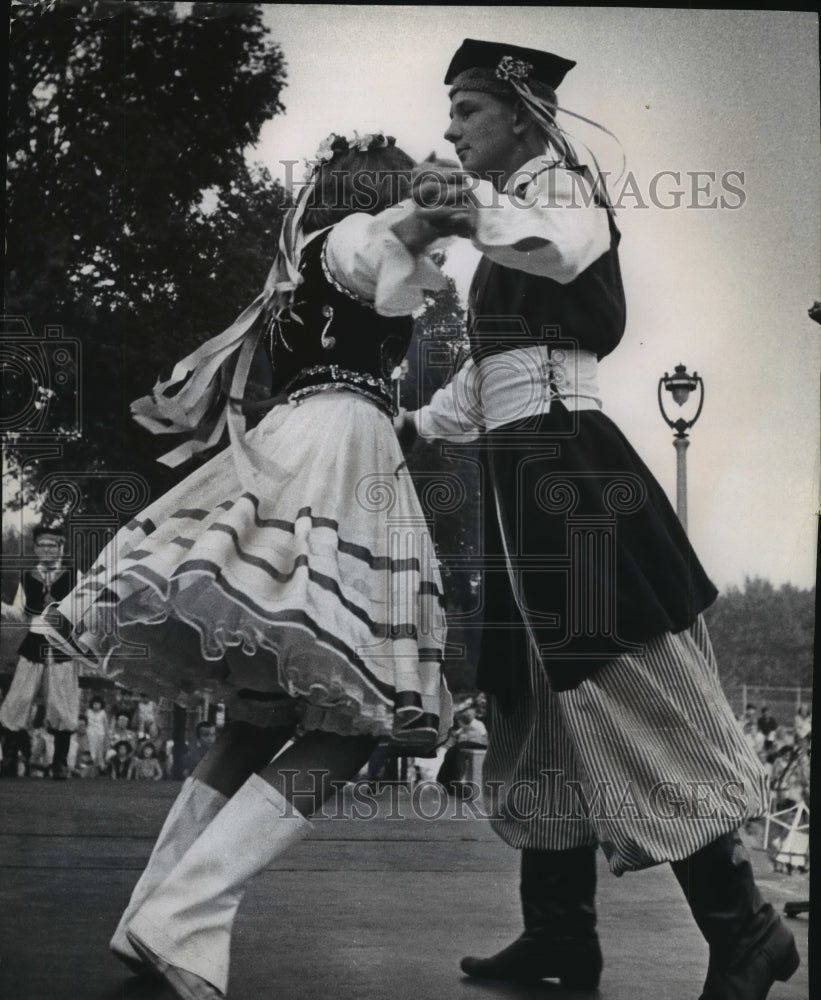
[(48, 574), (524, 175)]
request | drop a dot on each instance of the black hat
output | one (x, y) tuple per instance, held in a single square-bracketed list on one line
[(48, 529), (484, 62)]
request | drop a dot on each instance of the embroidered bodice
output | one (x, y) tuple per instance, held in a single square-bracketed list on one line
[(333, 336)]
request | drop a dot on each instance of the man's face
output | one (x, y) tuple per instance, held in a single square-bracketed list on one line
[(48, 549), (481, 130)]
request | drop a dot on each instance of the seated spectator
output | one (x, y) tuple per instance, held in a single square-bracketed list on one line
[(468, 733), (144, 765), (120, 763), (152, 732), (480, 704), (42, 751), (205, 735), (803, 723), (471, 733), (84, 766), (753, 735), (767, 725), (153, 736), (37, 745), (789, 778), (118, 733)]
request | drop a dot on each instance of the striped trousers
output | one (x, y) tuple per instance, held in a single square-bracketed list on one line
[(645, 758)]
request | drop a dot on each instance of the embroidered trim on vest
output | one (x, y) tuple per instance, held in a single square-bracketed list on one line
[(333, 377), (329, 277)]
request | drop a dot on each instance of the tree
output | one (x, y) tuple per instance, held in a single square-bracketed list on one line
[(763, 635), (134, 220)]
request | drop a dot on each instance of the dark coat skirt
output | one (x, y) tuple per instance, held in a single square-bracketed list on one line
[(585, 557)]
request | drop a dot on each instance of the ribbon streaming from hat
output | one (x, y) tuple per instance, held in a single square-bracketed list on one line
[(516, 73)]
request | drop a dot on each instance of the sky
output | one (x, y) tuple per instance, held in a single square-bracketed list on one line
[(723, 290)]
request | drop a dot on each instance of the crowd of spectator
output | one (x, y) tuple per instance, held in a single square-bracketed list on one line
[(784, 751), (122, 741)]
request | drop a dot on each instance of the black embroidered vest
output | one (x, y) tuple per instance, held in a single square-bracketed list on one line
[(334, 337), (510, 309), (37, 596)]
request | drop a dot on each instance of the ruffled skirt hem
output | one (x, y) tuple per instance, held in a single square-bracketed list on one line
[(319, 584)]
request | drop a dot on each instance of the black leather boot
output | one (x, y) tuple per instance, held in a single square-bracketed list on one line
[(558, 891), (750, 947)]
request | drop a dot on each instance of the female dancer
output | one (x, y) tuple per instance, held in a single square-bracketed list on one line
[(277, 558)]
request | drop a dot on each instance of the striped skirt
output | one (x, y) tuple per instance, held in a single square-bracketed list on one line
[(644, 758), (319, 583)]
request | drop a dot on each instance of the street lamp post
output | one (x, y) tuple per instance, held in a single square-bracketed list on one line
[(398, 377), (680, 385)]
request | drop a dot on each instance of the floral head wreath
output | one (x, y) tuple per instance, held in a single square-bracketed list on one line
[(335, 143)]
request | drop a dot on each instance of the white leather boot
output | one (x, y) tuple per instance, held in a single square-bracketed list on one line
[(192, 811), (183, 929)]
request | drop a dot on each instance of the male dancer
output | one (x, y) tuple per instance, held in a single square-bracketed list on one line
[(39, 667), (606, 704)]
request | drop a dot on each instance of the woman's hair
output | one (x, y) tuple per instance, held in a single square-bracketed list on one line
[(357, 181), (146, 746)]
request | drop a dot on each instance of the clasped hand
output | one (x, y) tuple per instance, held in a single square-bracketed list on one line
[(443, 205), (444, 200)]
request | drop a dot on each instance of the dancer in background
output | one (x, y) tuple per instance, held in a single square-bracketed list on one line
[(42, 671)]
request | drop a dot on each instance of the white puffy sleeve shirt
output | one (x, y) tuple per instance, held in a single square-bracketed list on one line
[(546, 222), (364, 255)]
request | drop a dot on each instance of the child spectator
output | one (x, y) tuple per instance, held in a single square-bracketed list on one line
[(120, 732), (79, 746), (121, 761), (145, 766), (42, 747), (471, 733), (144, 717), (97, 731), (85, 766), (803, 723)]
